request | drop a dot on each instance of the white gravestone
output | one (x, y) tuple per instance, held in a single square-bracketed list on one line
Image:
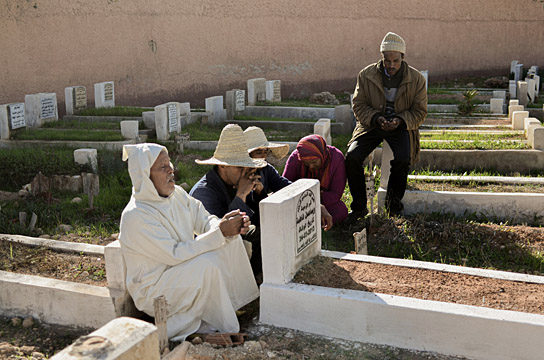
[(166, 120), (240, 104), (518, 72), (214, 105), (513, 66), (256, 90), (531, 92), (512, 87), (40, 108), (518, 119), (523, 89), (129, 129), (533, 69), (538, 137), (75, 99), (86, 157), (149, 119), (184, 114), (323, 127), (425, 74), (273, 90), (104, 95), (537, 86), (513, 102), (288, 247), (499, 94), (12, 117), (513, 108), (495, 105)]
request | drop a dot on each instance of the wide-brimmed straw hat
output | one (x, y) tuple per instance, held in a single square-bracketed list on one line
[(256, 139), (231, 150)]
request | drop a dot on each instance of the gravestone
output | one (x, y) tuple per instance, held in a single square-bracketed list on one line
[(531, 91), (518, 72), (86, 157), (537, 86), (533, 69), (104, 95), (518, 119), (256, 90), (538, 137), (512, 109), (288, 247), (184, 114), (230, 102), (148, 118), (75, 99), (12, 117), (343, 115), (40, 108), (495, 105), (513, 66), (522, 91), (531, 121), (499, 94), (214, 105), (129, 129), (425, 74), (273, 90), (166, 120), (513, 102), (512, 87), (323, 127)]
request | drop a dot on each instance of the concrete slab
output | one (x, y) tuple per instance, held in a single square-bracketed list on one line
[(290, 112), (120, 339)]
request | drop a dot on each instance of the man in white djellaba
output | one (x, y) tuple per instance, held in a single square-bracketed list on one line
[(173, 247)]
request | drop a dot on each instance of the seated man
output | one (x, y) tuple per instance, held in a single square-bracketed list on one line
[(231, 183), (173, 247)]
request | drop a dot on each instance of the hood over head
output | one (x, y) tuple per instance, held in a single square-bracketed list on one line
[(140, 159)]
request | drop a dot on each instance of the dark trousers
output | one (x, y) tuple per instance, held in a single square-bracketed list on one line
[(399, 141)]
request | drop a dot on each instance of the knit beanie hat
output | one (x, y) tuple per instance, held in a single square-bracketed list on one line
[(393, 42)]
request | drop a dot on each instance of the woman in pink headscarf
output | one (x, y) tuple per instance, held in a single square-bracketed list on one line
[(314, 159)]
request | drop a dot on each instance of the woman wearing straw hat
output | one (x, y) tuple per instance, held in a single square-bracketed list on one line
[(231, 183)]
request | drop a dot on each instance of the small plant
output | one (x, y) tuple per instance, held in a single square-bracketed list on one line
[(466, 108)]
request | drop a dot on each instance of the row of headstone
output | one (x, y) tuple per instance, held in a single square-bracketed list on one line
[(260, 90), (525, 90), (75, 97)]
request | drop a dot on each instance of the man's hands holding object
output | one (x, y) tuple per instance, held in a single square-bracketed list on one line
[(388, 125)]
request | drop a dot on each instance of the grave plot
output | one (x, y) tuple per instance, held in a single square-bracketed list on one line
[(406, 322)]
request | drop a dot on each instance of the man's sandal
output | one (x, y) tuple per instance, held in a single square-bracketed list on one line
[(225, 339)]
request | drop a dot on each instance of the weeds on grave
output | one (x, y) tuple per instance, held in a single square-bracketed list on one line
[(467, 106)]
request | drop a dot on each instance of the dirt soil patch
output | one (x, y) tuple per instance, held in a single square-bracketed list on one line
[(474, 187), (423, 284)]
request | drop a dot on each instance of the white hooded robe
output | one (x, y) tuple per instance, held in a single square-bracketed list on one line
[(205, 278)]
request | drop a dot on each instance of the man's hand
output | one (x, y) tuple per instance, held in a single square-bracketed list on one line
[(234, 223), (248, 182), (388, 125), (326, 218)]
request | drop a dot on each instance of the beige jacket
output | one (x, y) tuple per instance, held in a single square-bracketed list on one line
[(410, 102)]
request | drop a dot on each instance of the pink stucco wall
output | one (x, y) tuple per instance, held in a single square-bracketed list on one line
[(184, 50)]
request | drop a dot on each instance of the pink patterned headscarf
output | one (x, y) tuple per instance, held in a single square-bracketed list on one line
[(313, 147)]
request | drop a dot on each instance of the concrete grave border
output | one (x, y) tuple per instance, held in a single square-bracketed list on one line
[(445, 328)]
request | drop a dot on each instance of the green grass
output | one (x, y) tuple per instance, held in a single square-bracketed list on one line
[(264, 118), (471, 172), (66, 135), (475, 145), (83, 125), (471, 136), (451, 101), (115, 111)]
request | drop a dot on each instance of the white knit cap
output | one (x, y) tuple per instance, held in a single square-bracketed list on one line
[(393, 42), (231, 150)]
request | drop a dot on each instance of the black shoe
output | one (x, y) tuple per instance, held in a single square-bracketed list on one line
[(354, 216)]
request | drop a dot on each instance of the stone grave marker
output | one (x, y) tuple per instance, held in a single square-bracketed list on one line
[(129, 129), (91, 187), (513, 108), (240, 104), (291, 245), (513, 102), (499, 94), (425, 74), (40, 108), (214, 105), (148, 118), (273, 90), (256, 90), (513, 66), (323, 127), (104, 95), (512, 87), (236, 102), (166, 120), (533, 69), (75, 99), (343, 115), (495, 105), (518, 119), (531, 91), (86, 157), (537, 85), (12, 117), (523, 90), (518, 72), (184, 114)]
